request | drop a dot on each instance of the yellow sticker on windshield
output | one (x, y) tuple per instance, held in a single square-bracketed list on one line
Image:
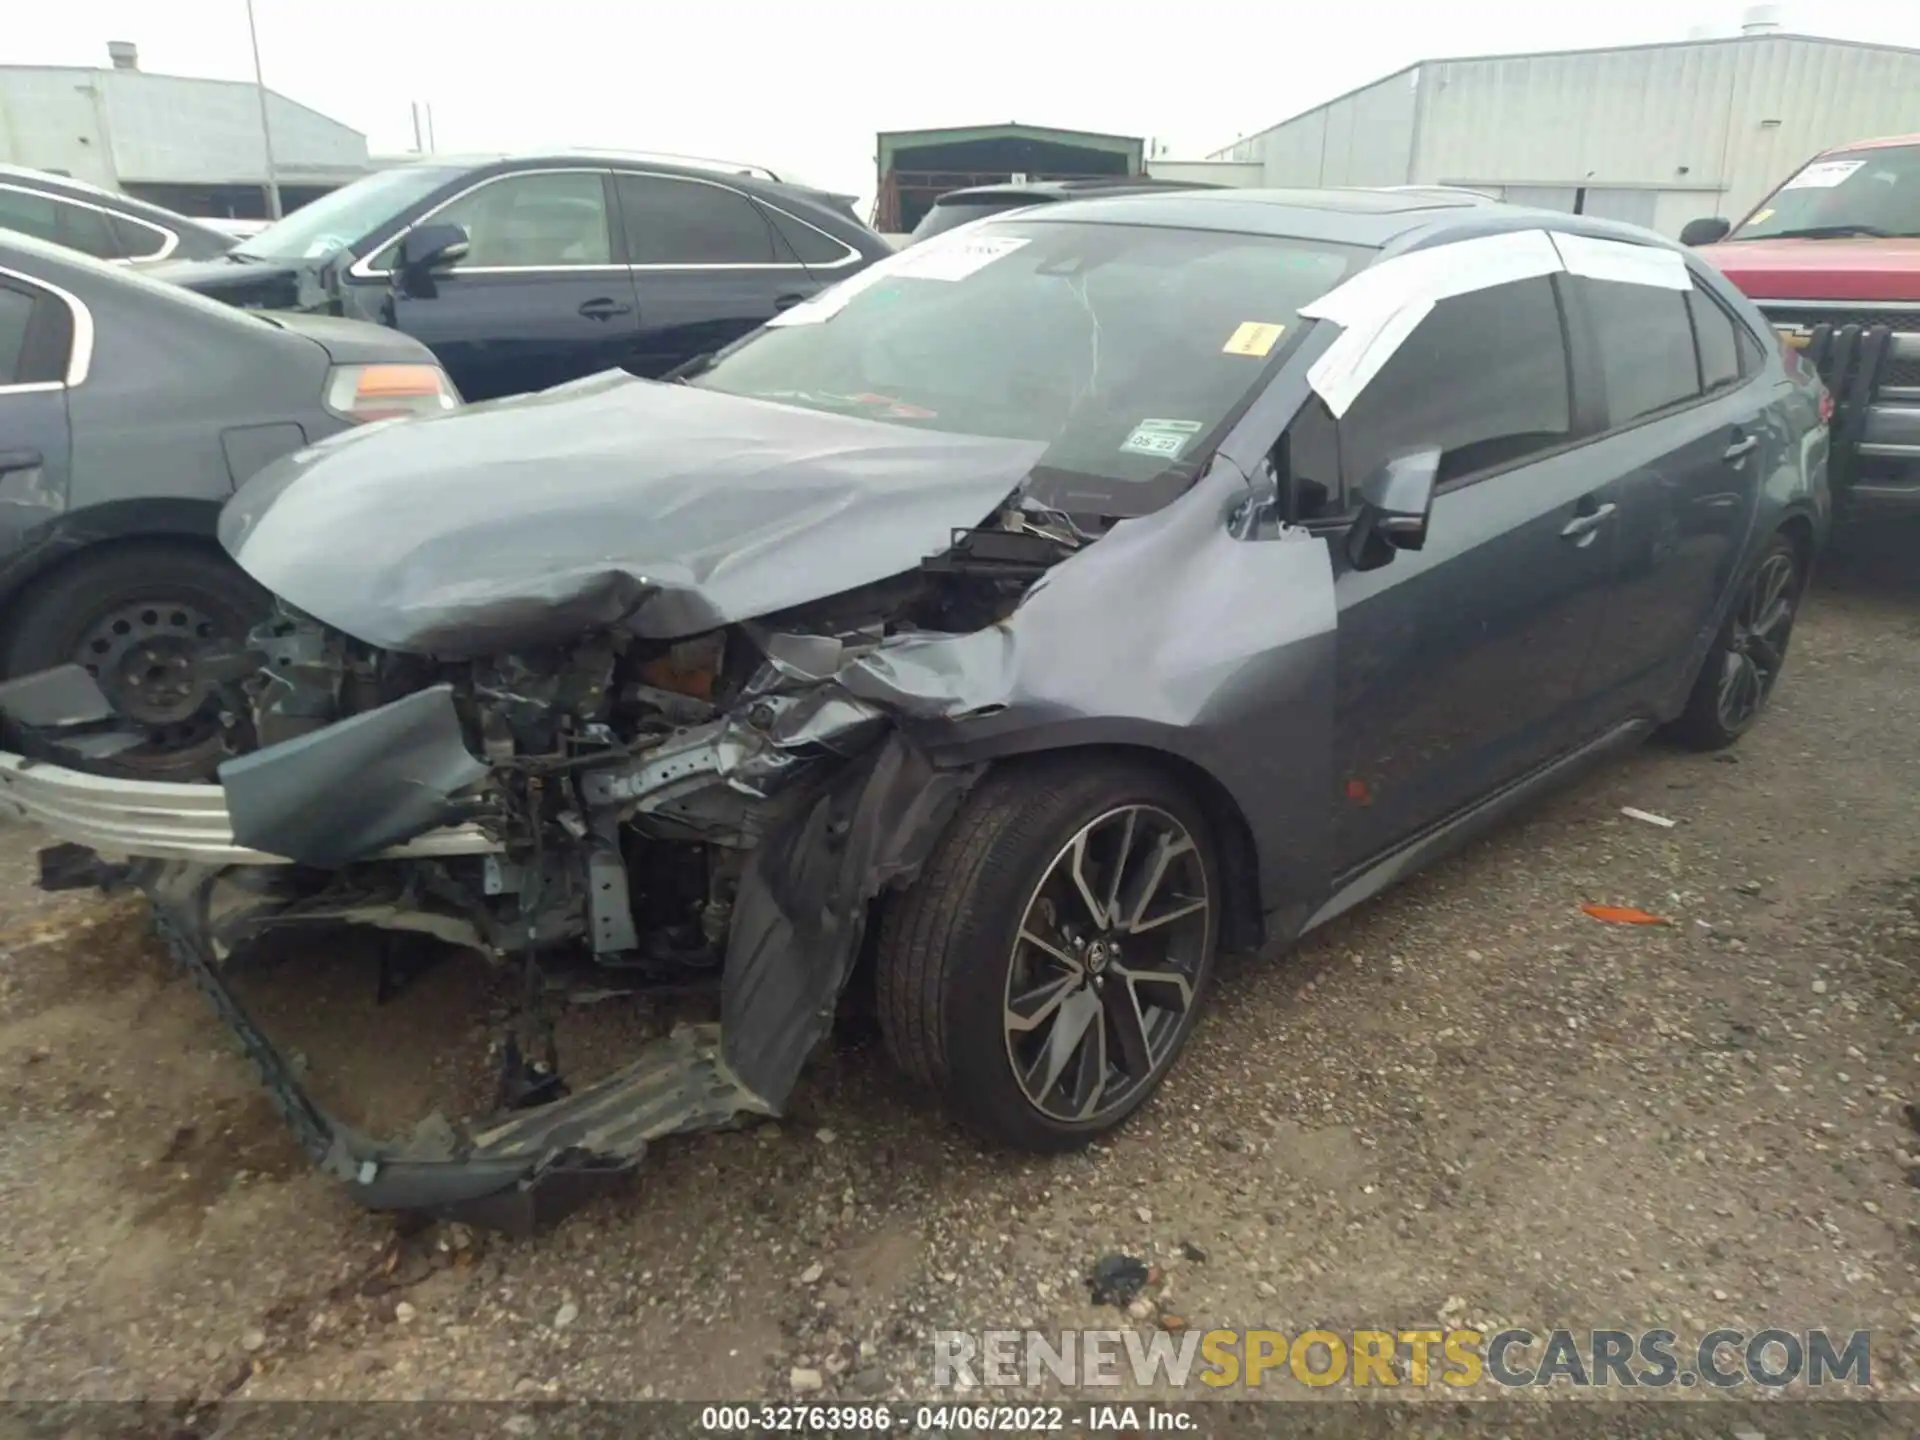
[(1760, 215), (1255, 338)]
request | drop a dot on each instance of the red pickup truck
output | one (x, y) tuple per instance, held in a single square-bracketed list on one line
[(1832, 258)]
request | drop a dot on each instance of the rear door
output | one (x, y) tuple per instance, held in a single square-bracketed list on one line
[(1458, 663), (36, 351), (709, 265), (541, 296), (1687, 431)]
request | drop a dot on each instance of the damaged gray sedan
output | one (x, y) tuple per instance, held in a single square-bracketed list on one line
[(1016, 625)]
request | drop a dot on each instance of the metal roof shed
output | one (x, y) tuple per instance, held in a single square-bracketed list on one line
[(917, 166)]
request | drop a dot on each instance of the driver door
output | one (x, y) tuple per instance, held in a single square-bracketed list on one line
[(538, 299), (1459, 664)]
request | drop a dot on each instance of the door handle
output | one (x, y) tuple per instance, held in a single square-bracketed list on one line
[(1581, 527), (787, 302), (1740, 449), (604, 309), (23, 458)]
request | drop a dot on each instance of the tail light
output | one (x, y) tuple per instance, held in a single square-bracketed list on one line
[(365, 393)]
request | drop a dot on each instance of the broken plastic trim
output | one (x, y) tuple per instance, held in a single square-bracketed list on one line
[(800, 917), (369, 781)]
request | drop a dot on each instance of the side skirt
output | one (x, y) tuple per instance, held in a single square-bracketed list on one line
[(1368, 880)]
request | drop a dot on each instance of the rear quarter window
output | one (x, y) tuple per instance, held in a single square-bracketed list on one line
[(808, 245)]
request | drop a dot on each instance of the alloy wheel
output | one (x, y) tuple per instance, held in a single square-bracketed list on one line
[(1105, 963), (1757, 644)]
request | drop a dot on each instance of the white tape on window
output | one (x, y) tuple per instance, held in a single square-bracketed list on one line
[(1378, 309)]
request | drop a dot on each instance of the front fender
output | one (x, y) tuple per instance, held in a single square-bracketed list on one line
[(1171, 635)]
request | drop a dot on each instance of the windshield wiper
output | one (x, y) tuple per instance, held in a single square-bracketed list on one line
[(1831, 232)]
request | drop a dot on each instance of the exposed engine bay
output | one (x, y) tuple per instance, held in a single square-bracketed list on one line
[(622, 750), (716, 811)]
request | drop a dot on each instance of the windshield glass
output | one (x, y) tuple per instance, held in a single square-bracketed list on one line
[(1125, 348), (346, 216), (1858, 192)]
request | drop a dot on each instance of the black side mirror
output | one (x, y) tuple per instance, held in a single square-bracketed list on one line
[(1396, 503), (1706, 232), (433, 247)]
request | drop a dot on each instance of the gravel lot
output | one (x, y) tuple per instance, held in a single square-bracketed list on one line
[(1467, 1102)]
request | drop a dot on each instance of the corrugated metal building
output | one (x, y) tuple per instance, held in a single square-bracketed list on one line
[(1652, 134), (192, 145)]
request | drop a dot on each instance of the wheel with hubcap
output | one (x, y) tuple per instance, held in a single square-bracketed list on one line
[(1746, 658), (1048, 965), (139, 618)]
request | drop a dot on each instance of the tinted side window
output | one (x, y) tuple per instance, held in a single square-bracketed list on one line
[(16, 311), (89, 232), (30, 214), (1714, 331), (809, 246), (686, 222), (1484, 377), (1646, 347), (138, 241), (1311, 462), (550, 220)]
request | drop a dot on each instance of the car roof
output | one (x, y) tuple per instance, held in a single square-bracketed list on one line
[(1882, 143), (1370, 217), (1041, 190), (755, 179), (1392, 220), (693, 165)]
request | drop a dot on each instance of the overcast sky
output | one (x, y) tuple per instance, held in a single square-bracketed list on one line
[(803, 87)]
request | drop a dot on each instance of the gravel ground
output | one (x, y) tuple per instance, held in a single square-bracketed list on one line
[(1468, 1103)]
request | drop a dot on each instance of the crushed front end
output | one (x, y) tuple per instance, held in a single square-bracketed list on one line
[(719, 811)]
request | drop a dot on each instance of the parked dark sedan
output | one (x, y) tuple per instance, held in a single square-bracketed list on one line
[(129, 410), (523, 272), (101, 223), (1052, 604)]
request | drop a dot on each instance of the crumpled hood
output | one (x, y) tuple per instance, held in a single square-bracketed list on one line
[(669, 509)]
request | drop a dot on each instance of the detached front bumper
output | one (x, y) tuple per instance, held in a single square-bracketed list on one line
[(157, 820)]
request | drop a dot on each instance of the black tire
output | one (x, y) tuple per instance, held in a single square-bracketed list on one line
[(1749, 652), (173, 595), (951, 947)]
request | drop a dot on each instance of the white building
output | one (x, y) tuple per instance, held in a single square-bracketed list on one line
[(1651, 134), (192, 145)]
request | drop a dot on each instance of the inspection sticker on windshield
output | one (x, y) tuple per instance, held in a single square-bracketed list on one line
[(1255, 338), (1824, 175), (957, 259), (1162, 438)]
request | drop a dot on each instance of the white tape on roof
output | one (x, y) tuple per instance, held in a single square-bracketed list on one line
[(1378, 309), (1628, 264)]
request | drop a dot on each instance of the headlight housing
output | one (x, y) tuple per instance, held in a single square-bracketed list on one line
[(365, 393)]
